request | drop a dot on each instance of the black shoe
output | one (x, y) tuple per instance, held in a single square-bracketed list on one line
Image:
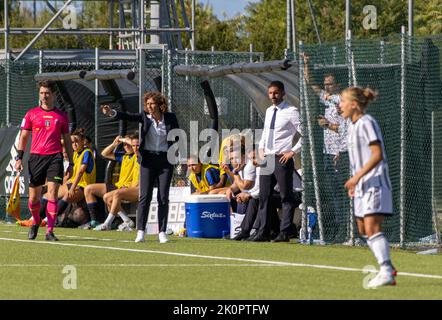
[(241, 236), (261, 238), (32, 234), (50, 236), (282, 237)]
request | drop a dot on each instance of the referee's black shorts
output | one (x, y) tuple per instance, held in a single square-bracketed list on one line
[(45, 167)]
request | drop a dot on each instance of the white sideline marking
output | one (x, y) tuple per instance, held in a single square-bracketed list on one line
[(266, 262), (139, 265)]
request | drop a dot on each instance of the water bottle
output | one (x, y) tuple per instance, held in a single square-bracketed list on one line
[(312, 218)]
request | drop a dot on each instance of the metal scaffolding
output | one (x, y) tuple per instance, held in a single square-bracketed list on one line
[(163, 20)]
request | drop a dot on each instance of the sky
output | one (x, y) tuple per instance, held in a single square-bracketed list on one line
[(230, 7)]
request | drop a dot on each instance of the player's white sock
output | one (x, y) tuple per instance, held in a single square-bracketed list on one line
[(123, 216), (378, 244), (110, 218)]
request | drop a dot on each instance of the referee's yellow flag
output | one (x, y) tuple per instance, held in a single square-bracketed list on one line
[(13, 205)]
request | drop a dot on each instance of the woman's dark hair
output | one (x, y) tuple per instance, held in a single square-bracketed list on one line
[(159, 99)]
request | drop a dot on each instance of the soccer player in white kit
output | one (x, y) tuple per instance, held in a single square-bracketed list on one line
[(369, 185)]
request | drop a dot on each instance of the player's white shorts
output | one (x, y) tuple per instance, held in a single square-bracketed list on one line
[(375, 200)]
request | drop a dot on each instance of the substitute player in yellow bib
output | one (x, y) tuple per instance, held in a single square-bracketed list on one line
[(127, 161), (84, 173), (128, 193), (204, 177)]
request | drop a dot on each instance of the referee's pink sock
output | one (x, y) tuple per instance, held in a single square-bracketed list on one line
[(51, 213), (34, 207)]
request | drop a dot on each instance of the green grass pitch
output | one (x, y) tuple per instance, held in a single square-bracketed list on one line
[(109, 265)]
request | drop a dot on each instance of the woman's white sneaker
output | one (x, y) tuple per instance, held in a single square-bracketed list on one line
[(162, 237)]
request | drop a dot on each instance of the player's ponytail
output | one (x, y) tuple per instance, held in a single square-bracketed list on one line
[(362, 96), (369, 94)]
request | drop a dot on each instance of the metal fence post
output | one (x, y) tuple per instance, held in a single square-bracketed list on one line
[(169, 79), (311, 140), (303, 151), (252, 126), (381, 52), (350, 83), (402, 159), (142, 78), (433, 194), (97, 67), (40, 61), (8, 88)]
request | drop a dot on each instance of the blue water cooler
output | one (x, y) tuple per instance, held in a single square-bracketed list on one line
[(207, 216)]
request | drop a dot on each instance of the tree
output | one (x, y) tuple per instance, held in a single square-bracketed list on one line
[(428, 19)]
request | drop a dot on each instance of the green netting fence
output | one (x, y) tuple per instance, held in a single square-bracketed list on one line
[(406, 73)]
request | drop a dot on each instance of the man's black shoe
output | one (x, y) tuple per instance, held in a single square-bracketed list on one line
[(282, 237), (32, 234), (50, 236), (241, 236), (260, 238)]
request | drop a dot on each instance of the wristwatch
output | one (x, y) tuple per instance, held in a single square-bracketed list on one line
[(17, 157), (235, 173)]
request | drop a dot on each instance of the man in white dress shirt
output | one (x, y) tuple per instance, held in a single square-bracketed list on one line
[(281, 123)]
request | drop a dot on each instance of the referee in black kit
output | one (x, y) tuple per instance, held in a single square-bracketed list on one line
[(276, 152), (156, 123)]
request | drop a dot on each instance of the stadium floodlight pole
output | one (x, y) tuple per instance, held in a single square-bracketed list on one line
[(289, 26), (6, 26), (155, 20), (293, 19), (142, 23), (402, 157), (192, 40), (111, 23), (410, 18), (347, 16), (410, 29), (30, 44)]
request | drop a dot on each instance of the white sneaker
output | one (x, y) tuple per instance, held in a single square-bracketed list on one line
[(102, 227), (162, 237), (126, 226), (140, 236), (382, 279)]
